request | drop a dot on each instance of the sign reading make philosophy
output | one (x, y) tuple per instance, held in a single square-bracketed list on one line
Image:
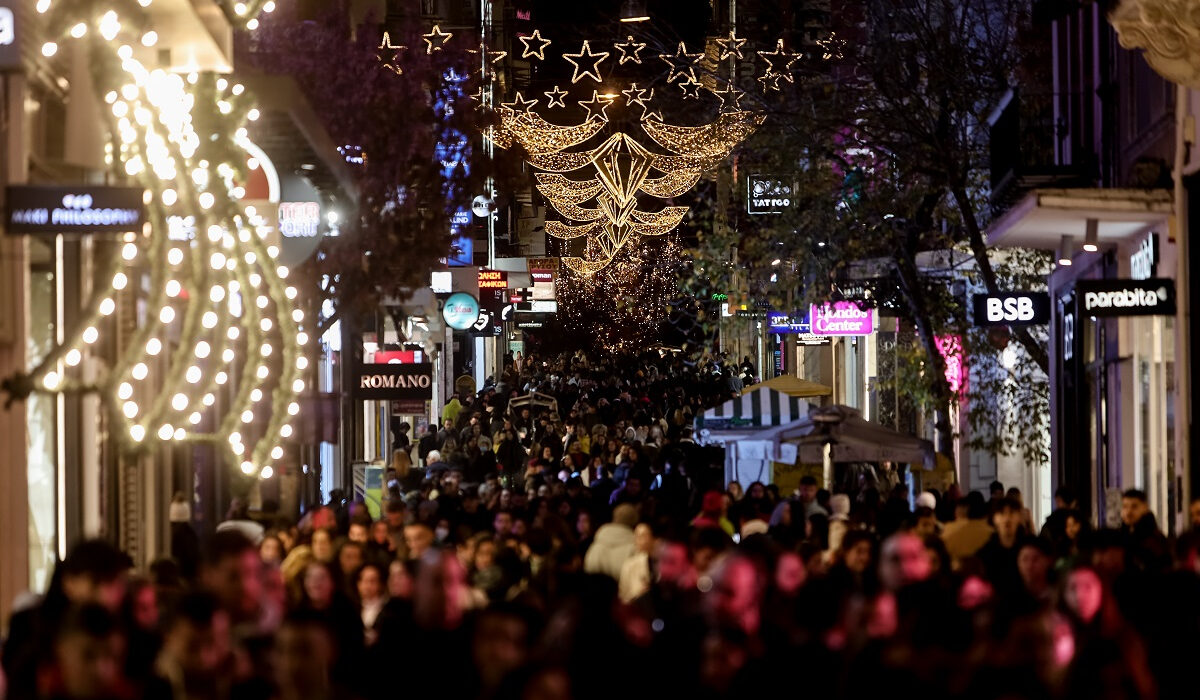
[(842, 318), (54, 210), (1150, 297), (409, 382), (1015, 309)]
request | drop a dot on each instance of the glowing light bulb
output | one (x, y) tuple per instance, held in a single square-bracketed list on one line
[(217, 293), (253, 115), (301, 362), (208, 399), (79, 30), (49, 49), (265, 350), (179, 401), (263, 372), (150, 38), (130, 409), (194, 419), (109, 27), (169, 197), (298, 386), (293, 408), (173, 288), (166, 431), (119, 279), (290, 292), (125, 390), (256, 395), (221, 378), (215, 232), (273, 251), (153, 346), (180, 434), (255, 279), (129, 252), (297, 315), (247, 468), (193, 374), (51, 380), (73, 357), (261, 302), (139, 371), (277, 452), (107, 306), (206, 200), (233, 333), (209, 319), (203, 349), (269, 6), (252, 25), (43, 6), (282, 271), (174, 256), (217, 261), (267, 472), (90, 335), (265, 324), (302, 338), (285, 431), (247, 416), (167, 314), (238, 448), (138, 433), (227, 355), (235, 437)]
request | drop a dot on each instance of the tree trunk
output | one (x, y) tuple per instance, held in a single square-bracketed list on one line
[(1035, 349), (910, 286)]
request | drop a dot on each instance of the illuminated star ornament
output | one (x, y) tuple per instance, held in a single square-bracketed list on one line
[(681, 63), (493, 57), (593, 60), (435, 39), (529, 41), (691, 89), (635, 95), (776, 58), (556, 97), (520, 104), (731, 98), (218, 359), (631, 50), (731, 46), (392, 53), (596, 106)]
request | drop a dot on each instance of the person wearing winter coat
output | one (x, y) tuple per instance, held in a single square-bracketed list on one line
[(614, 543)]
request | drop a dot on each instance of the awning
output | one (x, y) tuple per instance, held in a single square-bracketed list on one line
[(754, 410), (792, 386), (1045, 216), (852, 439)]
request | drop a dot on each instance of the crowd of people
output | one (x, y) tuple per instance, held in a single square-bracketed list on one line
[(605, 560)]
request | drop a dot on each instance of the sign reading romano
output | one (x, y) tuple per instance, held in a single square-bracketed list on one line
[(411, 382), (83, 209), (1015, 309), (1151, 297)]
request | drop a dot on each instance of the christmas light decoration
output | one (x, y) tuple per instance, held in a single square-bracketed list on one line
[(182, 141), (637, 96), (536, 38), (556, 97), (691, 89), (681, 63), (731, 46), (392, 53), (595, 59), (596, 106), (776, 58), (435, 39), (520, 104), (631, 50), (731, 98), (493, 57)]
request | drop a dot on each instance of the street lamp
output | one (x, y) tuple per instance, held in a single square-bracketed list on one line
[(1065, 251), (634, 11)]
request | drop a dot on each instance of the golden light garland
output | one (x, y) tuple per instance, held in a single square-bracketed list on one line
[(212, 292)]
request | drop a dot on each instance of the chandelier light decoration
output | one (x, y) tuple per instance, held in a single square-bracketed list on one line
[(218, 356)]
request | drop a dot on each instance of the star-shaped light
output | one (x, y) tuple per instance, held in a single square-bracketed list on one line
[(520, 104), (477, 97), (596, 106), (594, 58), (779, 56), (731, 46), (770, 81), (536, 38), (435, 35), (635, 95), (493, 56), (681, 62), (691, 89), (652, 114), (731, 98), (631, 50), (556, 98), (386, 46)]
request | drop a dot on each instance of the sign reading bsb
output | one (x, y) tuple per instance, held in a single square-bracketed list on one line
[(1015, 309)]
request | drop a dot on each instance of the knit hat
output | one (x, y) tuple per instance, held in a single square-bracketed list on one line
[(839, 503), (926, 500)]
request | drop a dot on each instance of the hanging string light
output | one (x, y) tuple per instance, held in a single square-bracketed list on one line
[(220, 294)]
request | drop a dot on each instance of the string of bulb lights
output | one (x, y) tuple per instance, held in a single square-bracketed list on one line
[(219, 356)]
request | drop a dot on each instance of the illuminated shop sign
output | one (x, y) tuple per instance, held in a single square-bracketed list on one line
[(1150, 297), (770, 194), (460, 311), (394, 382), (299, 219), (780, 322), (842, 318), (1143, 264), (493, 279), (54, 210), (1015, 309)]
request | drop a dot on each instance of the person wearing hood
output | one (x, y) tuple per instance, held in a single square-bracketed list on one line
[(614, 543)]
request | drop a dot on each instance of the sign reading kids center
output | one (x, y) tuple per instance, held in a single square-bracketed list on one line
[(841, 318)]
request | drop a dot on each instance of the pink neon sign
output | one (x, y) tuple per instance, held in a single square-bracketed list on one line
[(841, 318), (950, 346)]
